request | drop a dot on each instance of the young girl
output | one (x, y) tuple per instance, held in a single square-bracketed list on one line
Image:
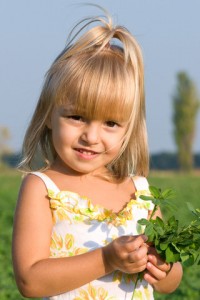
[(75, 233)]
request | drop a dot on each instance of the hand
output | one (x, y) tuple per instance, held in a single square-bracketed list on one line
[(127, 254), (157, 268)]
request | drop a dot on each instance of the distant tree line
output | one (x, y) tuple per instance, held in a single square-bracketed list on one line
[(158, 161), (170, 161)]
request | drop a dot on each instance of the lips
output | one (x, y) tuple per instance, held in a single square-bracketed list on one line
[(86, 152)]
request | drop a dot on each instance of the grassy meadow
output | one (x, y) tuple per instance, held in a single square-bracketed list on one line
[(187, 189)]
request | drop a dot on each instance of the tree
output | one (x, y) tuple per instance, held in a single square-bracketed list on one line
[(4, 137), (186, 104)]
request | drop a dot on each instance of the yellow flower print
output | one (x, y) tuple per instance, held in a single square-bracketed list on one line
[(65, 246), (60, 205), (119, 276), (51, 194), (63, 215), (141, 203), (138, 295), (147, 292), (69, 241), (142, 192), (78, 251), (56, 241), (129, 278), (83, 295), (92, 293), (102, 293)]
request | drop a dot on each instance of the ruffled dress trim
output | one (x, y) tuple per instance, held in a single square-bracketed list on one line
[(73, 202)]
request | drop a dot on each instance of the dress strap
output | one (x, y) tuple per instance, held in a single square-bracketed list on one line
[(50, 185), (141, 183)]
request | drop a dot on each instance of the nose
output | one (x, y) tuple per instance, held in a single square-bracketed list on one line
[(91, 133)]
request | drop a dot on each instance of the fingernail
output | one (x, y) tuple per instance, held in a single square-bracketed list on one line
[(149, 265)]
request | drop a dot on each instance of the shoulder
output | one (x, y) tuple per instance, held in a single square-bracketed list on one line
[(32, 191), (33, 201), (33, 182)]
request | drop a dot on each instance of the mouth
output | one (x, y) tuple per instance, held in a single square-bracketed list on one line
[(86, 153)]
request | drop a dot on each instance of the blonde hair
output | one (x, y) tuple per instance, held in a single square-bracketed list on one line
[(101, 74)]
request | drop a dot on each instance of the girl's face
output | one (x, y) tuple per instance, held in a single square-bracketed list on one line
[(82, 144)]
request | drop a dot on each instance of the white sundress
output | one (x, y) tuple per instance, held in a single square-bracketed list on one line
[(79, 227)]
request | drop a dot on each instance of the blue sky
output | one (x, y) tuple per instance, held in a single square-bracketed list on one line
[(33, 32)]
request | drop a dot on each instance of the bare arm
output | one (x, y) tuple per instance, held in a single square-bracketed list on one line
[(36, 274)]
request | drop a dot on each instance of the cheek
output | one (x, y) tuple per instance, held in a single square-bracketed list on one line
[(63, 135), (117, 144), (114, 146), (117, 140)]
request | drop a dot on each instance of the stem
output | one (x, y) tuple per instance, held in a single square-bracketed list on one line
[(135, 286), (139, 277), (153, 212)]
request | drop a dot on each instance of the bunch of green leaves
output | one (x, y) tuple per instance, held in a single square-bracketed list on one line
[(172, 241)]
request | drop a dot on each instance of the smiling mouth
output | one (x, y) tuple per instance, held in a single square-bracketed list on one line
[(86, 152)]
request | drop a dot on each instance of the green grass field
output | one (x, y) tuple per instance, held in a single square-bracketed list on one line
[(187, 189)]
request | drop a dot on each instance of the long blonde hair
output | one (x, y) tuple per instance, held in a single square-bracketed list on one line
[(101, 73)]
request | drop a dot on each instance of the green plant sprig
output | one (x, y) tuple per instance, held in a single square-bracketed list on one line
[(173, 242)]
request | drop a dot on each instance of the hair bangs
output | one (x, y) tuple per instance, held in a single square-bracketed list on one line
[(102, 88)]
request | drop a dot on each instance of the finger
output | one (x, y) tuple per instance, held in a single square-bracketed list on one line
[(135, 242), (159, 262), (149, 277), (155, 258), (135, 267), (138, 255), (155, 273)]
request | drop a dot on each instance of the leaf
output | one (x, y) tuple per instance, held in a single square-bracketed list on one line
[(143, 222), (187, 260), (146, 198), (168, 194), (151, 237), (149, 229), (159, 222), (171, 256), (159, 230), (155, 191), (163, 246), (173, 222), (156, 202)]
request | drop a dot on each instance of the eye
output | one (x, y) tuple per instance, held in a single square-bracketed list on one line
[(111, 124), (76, 118)]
